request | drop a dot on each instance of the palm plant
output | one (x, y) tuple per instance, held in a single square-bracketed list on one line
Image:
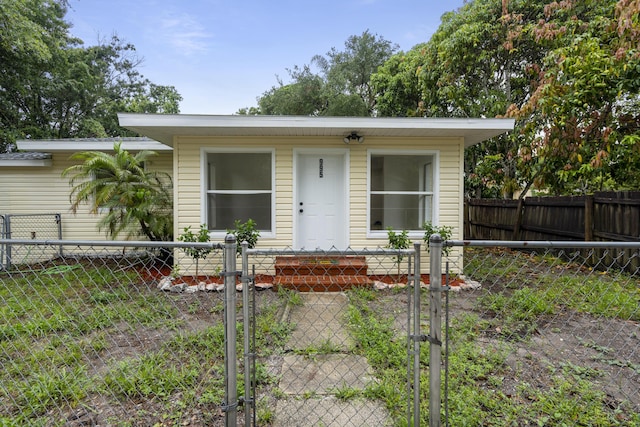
[(134, 201)]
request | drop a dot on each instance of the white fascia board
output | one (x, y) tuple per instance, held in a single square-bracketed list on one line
[(284, 122), (26, 163), (165, 127), (74, 145)]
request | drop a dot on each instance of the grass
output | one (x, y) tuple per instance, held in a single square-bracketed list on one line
[(533, 287), (525, 291), (385, 350), (61, 322), (57, 324)]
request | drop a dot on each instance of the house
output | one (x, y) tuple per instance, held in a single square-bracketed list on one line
[(308, 182), (32, 188), (317, 182)]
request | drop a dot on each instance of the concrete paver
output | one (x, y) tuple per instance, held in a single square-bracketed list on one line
[(310, 376)]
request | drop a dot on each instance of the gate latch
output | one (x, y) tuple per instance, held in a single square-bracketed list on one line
[(423, 338)]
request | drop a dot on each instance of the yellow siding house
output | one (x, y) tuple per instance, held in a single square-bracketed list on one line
[(31, 183), (317, 182)]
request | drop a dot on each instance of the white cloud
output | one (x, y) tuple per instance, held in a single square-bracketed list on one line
[(185, 34)]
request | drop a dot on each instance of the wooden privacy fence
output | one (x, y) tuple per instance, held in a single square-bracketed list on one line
[(603, 216)]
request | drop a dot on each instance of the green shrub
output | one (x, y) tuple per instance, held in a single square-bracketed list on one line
[(245, 232), (202, 237), (444, 231), (398, 241)]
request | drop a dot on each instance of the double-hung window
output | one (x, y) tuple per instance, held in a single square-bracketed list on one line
[(401, 190), (240, 186)]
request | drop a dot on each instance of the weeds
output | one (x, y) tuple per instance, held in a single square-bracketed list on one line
[(384, 349), (325, 347), (58, 325), (63, 329), (523, 295)]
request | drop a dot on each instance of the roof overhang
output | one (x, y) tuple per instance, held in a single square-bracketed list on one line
[(25, 159), (165, 127), (90, 144)]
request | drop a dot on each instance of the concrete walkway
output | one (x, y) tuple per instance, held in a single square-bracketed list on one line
[(319, 363)]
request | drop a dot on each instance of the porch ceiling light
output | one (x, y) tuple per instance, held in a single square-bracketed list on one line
[(353, 136)]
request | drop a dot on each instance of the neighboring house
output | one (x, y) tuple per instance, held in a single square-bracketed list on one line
[(317, 182), (31, 181)]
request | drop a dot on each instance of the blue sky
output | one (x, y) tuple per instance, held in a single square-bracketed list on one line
[(222, 54)]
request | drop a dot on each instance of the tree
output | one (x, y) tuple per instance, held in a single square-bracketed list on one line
[(52, 86), (31, 33), (586, 99), (27, 27), (397, 85), (340, 88), (136, 201), (303, 97), (348, 72), (568, 71), (469, 68)]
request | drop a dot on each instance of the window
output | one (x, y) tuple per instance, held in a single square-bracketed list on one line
[(239, 187), (401, 190)]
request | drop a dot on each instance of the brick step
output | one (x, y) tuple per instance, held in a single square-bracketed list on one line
[(320, 283), (324, 265), (320, 273)]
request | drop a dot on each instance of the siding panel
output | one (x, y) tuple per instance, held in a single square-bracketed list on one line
[(38, 190), (188, 196)]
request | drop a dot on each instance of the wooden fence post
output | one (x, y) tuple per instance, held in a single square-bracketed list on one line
[(466, 233), (518, 223), (588, 218)]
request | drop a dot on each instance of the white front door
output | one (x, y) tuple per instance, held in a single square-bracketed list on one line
[(320, 202)]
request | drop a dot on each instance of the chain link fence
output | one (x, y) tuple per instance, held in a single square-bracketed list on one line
[(29, 226), (344, 358), (136, 333), (110, 333), (547, 333), (3, 235)]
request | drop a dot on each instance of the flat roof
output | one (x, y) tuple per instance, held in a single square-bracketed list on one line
[(164, 127), (90, 144), (25, 159)]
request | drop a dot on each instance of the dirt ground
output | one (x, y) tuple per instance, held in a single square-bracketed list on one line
[(606, 346), (197, 312)]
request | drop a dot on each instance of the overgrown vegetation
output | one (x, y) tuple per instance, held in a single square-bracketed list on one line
[(487, 385), (57, 341), (56, 86), (52, 343)]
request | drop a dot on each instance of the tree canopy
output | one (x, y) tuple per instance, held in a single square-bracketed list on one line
[(341, 87), (568, 71), (53, 86)]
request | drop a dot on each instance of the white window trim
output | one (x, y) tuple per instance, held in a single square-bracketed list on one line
[(414, 234), (204, 151)]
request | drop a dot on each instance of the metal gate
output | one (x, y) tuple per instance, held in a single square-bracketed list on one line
[(339, 351), (29, 226)]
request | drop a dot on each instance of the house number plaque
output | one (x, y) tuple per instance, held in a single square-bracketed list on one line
[(321, 168)]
